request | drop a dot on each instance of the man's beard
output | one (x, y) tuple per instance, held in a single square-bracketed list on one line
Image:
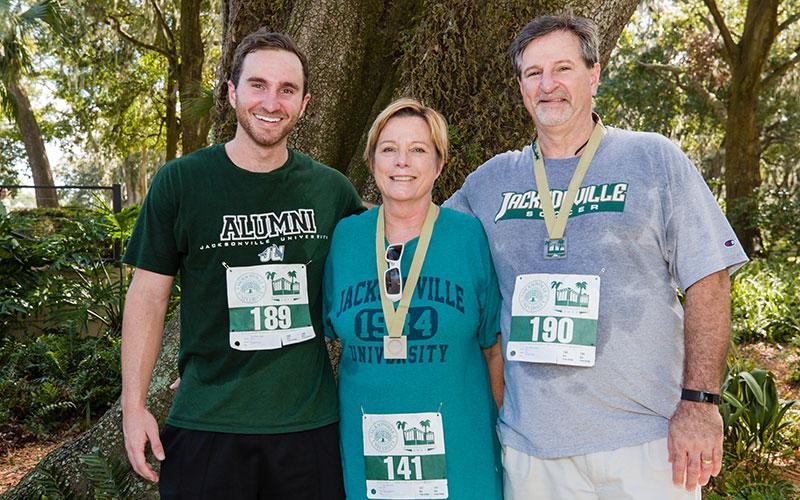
[(554, 117), (265, 138)]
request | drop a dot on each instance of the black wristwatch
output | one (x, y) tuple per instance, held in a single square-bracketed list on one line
[(700, 396)]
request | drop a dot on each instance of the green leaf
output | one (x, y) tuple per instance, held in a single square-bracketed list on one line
[(754, 387)]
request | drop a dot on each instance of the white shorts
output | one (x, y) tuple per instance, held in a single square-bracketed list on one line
[(634, 472)]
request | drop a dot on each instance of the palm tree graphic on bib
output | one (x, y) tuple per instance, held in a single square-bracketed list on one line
[(283, 286), (569, 296)]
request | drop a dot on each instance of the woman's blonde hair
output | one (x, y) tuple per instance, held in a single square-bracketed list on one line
[(407, 107)]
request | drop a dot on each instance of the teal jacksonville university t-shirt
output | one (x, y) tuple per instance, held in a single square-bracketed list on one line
[(442, 385)]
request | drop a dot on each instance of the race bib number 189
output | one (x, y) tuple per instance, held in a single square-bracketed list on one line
[(268, 306), (554, 319)]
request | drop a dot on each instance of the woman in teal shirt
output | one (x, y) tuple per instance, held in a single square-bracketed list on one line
[(416, 405)]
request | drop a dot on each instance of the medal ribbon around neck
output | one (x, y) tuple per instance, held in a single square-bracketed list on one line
[(557, 223), (395, 319)]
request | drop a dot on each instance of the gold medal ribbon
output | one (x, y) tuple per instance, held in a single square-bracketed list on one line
[(396, 319), (557, 223)]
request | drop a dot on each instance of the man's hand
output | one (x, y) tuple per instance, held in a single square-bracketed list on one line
[(695, 443), (142, 327), (139, 427)]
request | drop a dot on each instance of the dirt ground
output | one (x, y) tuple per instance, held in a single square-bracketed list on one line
[(19, 454), (778, 360), (16, 462)]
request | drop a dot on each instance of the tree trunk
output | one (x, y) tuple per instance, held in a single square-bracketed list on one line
[(194, 132), (743, 131), (742, 166), (362, 53), (170, 115), (34, 144)]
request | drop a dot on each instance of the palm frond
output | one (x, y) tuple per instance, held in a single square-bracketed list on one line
[(46, 11), (52, 483), (200, 106), (109, 476)]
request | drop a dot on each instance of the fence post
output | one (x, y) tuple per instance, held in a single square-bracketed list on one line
[(116, 206)]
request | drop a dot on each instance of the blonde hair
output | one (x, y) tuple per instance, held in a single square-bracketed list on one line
[(407, 107)]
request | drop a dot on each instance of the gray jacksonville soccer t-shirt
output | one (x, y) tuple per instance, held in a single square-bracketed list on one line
[(646, 224)]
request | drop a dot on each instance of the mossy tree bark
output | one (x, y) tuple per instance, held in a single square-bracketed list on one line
[(362, 54)]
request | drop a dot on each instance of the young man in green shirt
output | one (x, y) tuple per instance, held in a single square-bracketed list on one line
[(247, 226)]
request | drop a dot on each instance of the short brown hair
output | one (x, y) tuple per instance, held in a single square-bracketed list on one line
[(584, 28), (266, 40), (407, 107)]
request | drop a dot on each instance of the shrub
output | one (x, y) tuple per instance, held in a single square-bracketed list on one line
[(57, 263), (765, 300), (58, 380), (777, 215), (753, 415), (758, 432)]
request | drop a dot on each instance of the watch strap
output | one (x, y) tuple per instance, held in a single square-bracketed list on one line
[(700, 396)]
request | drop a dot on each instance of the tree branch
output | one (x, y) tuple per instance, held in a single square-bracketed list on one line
[(163, 22), (775, 75), (731, 49), (137, 42), (708, 23), (788, 21), (694, 85), (170, 55)]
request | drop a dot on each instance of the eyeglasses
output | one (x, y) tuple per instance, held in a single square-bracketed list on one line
[(392, 278)]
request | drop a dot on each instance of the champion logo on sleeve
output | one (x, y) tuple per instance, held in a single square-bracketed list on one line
[(730, 243)]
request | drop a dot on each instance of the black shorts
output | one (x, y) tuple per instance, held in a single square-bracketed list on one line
[(202, 465)]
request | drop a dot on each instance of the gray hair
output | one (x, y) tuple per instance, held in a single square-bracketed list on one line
[(585, 29)]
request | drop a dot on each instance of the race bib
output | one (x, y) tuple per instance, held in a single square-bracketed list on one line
[(554, 319), (404, 455), (268, 306)]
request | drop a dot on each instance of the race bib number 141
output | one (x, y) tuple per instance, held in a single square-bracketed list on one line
[(404, 455)]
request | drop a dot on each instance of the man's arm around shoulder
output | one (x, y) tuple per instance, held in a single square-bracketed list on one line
[(142, 329), (695, 430)]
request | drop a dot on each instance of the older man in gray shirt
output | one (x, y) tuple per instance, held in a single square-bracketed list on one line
[(593, 231)]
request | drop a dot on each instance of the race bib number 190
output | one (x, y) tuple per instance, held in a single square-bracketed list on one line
[(268, 306), (554, 319)]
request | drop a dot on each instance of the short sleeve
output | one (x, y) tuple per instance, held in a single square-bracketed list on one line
[(459, 201), (700, 241), (328, 292), (349, 201), (153, 245)]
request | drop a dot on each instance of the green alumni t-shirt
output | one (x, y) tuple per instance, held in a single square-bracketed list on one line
[(210, 221)]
